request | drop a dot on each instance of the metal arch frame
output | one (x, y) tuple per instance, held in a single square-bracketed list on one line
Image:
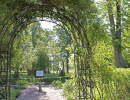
[(81, 71)]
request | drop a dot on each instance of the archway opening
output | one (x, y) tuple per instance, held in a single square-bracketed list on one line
[(72, 21)]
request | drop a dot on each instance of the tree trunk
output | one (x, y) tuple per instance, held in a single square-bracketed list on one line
[(117, 48), (63, 65), (118, 57), (48, 70), (67, 62), (116, 33)]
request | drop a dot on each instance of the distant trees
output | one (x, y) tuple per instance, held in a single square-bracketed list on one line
[(26, 50), (41, 49), (64, 41), (42, 62)]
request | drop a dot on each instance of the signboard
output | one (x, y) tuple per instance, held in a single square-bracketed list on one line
[(40, 73)]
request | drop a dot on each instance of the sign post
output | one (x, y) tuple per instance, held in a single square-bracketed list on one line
[(40, 74)]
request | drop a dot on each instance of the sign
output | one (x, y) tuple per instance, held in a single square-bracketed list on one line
[(40, 73)]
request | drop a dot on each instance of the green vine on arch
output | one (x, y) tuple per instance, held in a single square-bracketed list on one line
[(78, 17)]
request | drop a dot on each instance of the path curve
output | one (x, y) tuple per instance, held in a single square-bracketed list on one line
[(49, 93)]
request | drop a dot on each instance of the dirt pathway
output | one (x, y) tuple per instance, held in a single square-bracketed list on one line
[(49, 93)]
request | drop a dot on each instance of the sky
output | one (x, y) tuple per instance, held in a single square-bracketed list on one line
[(47, 25)]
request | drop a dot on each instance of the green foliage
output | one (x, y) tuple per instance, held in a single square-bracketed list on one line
[(48, 80), (42, 62), (83, 21), (22, 84), (23, 54), (14, 93), (64, 40), (30, 50), (121, 79), (2, 91), (62, 73), (126, 47), (112, 83), (51, 75), (57, 83), (103, 54), (70, 89)]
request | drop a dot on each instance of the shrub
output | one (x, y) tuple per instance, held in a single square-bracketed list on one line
[(50, 80), (2, 92), (113, 84), (22, 84), (14, 93), (70, 89), (57, 84)]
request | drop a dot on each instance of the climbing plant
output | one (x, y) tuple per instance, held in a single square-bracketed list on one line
[(95, 73)]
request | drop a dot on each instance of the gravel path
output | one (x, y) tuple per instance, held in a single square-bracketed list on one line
[(49, 93)]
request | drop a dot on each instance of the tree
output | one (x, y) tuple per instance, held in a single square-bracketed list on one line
[(42, 62), (126, 47), (23, 52), (115, 25), (116, 16), (64, 40)]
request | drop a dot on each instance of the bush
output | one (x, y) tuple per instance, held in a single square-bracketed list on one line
[(70, 89), (57, 84), (50, 80), (2, 92), (22, 84), (14, 93), (115, 83)]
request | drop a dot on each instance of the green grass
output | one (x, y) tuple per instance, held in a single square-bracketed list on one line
[(14, 94), (51, 75)]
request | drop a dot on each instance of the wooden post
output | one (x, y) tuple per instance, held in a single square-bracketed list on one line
[(40, 88)]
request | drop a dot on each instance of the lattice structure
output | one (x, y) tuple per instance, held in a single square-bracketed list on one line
[(85, 81), (4, 75), (29, 13)]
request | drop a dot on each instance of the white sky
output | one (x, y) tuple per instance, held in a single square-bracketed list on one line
[(47, 25)]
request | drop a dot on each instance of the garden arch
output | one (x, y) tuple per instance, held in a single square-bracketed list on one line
[(28, 13)]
